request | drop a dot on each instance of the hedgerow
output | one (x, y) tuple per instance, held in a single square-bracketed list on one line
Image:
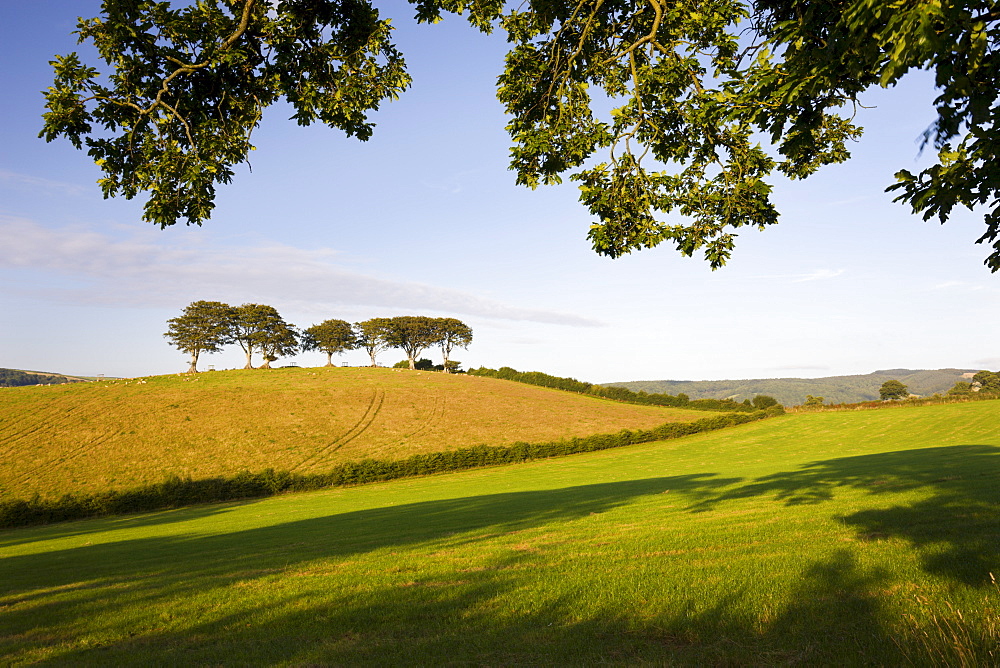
[(622, 394), (175, 491)]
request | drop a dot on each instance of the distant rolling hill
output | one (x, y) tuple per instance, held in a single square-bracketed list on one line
[(20, 378), (119, 434), (793, 391)]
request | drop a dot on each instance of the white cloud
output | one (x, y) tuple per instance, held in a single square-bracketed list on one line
[(819, 275), (800, 367), (947, 285), (38, 183), (145, 270)]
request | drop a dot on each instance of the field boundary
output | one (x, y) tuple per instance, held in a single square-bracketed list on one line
[(175, 491)]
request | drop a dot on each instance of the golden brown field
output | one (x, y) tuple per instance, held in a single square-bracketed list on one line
[(122, 433)]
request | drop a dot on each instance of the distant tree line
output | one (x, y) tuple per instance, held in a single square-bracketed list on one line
[(16, 378), (759, 402), (207, 326), (984, 385)]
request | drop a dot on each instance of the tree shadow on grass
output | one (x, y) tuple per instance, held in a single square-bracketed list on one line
[(83, 527), (501, 612), (466, 619), (56, 587), (955, 524)]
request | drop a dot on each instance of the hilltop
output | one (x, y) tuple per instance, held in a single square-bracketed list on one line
[(119, 434), (793, 391)]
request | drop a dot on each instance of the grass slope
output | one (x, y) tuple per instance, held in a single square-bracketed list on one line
[(124, 433), (793, 391), (853, 538)]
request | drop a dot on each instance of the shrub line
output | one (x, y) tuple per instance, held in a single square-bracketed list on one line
[(175, 491), (879, 404), (614, 392)]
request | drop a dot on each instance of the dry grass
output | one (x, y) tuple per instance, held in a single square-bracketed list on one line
[(119, 434)]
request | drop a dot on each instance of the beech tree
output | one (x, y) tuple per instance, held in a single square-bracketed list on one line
[(331, 337), (412, 334), (258, 327), (278, 339), (373, 336), (451, 333), (712, 98), (203, 327)]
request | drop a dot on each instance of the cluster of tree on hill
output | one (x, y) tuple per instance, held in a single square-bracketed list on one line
[(759, 402), (206, 326), (16, 378), (984, 382)]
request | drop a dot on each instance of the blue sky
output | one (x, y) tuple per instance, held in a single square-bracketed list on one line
[(425, 219)]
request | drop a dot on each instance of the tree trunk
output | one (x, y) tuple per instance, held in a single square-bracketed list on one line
[(371, 353), (266, 364), (249, 365), (329, 359), (194, 363), (413, 364), (444, 354)]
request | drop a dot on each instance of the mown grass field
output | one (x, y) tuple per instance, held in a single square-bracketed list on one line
[(853, 538), (121, 434)]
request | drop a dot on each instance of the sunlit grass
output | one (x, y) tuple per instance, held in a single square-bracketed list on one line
[(825, 539), (123, 434)]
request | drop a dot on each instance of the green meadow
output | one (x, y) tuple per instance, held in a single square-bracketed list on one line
[(837, 538)]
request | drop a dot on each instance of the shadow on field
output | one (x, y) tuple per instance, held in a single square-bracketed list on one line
[(955, 525), (333, 591), (261, 596), (20, 536)]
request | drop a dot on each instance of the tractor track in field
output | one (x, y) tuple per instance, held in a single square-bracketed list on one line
[(51, 423), (28, 423), (371, 412), (435, 415), (65, 457)]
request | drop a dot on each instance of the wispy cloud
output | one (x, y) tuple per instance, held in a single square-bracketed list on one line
[(800, 367), (37, 183), (819, 275), (454, 184), (963, 285), (150, 270)]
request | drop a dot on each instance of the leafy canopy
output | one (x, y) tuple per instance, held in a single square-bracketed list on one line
[(203, 327), (260, 328), (451, 333), (893, 389), (695, 84), (412, 334), (331, 337), (373, 335)]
